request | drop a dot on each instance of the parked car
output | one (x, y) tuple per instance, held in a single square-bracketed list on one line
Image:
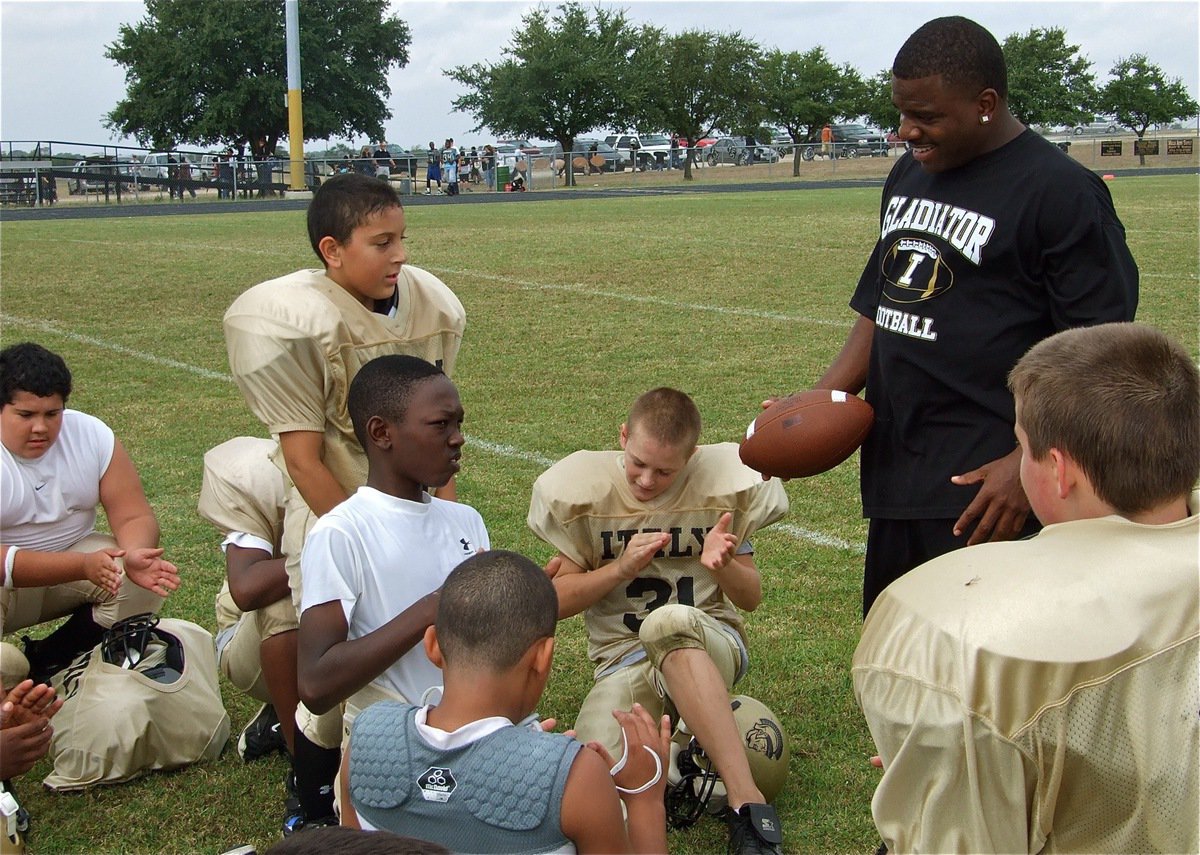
[(613, 161), (93, 173), (735, 151), (154, 165), (653, 150), (850, 139), (524, 145), (1100, 126), (406, 161), (208, 166)]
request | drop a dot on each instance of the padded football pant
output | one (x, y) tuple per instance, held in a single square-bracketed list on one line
[(668, 628)]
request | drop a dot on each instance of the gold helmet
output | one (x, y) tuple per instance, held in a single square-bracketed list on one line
[(693, 785)]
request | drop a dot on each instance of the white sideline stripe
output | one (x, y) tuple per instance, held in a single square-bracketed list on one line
[(577, 288), (499, 449), (591, 291), (54, 329), (821, 539)]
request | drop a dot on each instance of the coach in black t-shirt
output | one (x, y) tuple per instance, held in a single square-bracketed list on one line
[(991, 239)]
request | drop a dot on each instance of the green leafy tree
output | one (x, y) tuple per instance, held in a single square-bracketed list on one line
[(1049, 83), (877, 105), (209, 72), (802, 92), (1140, 95), (562, 75), (699, 82)]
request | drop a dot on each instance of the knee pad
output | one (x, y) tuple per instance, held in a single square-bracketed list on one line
[(671, 627)]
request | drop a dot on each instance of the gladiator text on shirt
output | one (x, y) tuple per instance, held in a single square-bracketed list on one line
[(966, 231)]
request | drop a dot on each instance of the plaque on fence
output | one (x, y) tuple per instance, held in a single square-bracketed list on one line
[(1179, 146), (1110, 148), (1144, 147)]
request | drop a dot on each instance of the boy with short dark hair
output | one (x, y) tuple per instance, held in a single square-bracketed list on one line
[(295, 344), (452, 772), (1044, 694), (653, 541), (373, 565), (57, 467)]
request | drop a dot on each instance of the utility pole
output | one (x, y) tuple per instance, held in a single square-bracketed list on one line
[(291, 10)]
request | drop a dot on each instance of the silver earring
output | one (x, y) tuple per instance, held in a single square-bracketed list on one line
[(983, 120)]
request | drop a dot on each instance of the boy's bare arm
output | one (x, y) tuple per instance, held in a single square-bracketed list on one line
[(578, 589), (134, 526), (256, 580), (303, 453), (43, 569), (591, 811), (588, 797), (331, 668)]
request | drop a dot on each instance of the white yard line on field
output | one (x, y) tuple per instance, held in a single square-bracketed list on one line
[(499, 449), (580, 288), (593, 291)]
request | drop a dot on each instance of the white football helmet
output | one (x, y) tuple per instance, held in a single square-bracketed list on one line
[(693, 785)]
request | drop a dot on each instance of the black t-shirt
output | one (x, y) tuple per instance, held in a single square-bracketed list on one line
[(973, 267)]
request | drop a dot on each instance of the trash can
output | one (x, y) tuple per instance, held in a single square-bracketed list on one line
[(406, 186), (503, 174)]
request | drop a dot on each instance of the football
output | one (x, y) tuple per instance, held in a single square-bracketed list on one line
[(807, 434)]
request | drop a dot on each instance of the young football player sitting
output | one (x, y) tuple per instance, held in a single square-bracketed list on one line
[(475, 772), (242, 493), (1041, 695), (654, 549), (59, 466)]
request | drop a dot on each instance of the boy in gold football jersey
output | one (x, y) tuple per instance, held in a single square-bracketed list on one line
[(295, 343), (654, 553)]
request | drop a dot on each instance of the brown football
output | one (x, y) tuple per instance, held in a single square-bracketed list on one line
[(807, 434)]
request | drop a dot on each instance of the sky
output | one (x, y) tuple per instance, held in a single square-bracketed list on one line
[(56, 84)]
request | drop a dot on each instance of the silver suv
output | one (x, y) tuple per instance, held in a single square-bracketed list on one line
[(653, 150)]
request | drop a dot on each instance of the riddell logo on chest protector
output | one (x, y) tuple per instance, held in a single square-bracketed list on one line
[(437, 784)]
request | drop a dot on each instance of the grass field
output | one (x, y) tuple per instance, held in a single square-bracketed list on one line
[(573, 309)]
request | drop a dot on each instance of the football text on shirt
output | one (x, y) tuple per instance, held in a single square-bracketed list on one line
[(966, 231)]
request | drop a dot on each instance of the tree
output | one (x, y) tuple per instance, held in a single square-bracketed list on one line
[(209, 72), (701, 82), (802, 92), (1049, 83), (1139, 95), (562, 76), (877, 105)]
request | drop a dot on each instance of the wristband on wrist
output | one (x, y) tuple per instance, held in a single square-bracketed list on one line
[(9, 559), (620, 764)]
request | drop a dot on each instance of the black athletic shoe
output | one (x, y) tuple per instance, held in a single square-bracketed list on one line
[(296, 823), (262, 736), (293, 814), (754, 830)]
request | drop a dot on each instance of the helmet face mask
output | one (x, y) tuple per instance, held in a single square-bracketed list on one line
[(693, 785), (136, 644), (692, 782), (125, 642)]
